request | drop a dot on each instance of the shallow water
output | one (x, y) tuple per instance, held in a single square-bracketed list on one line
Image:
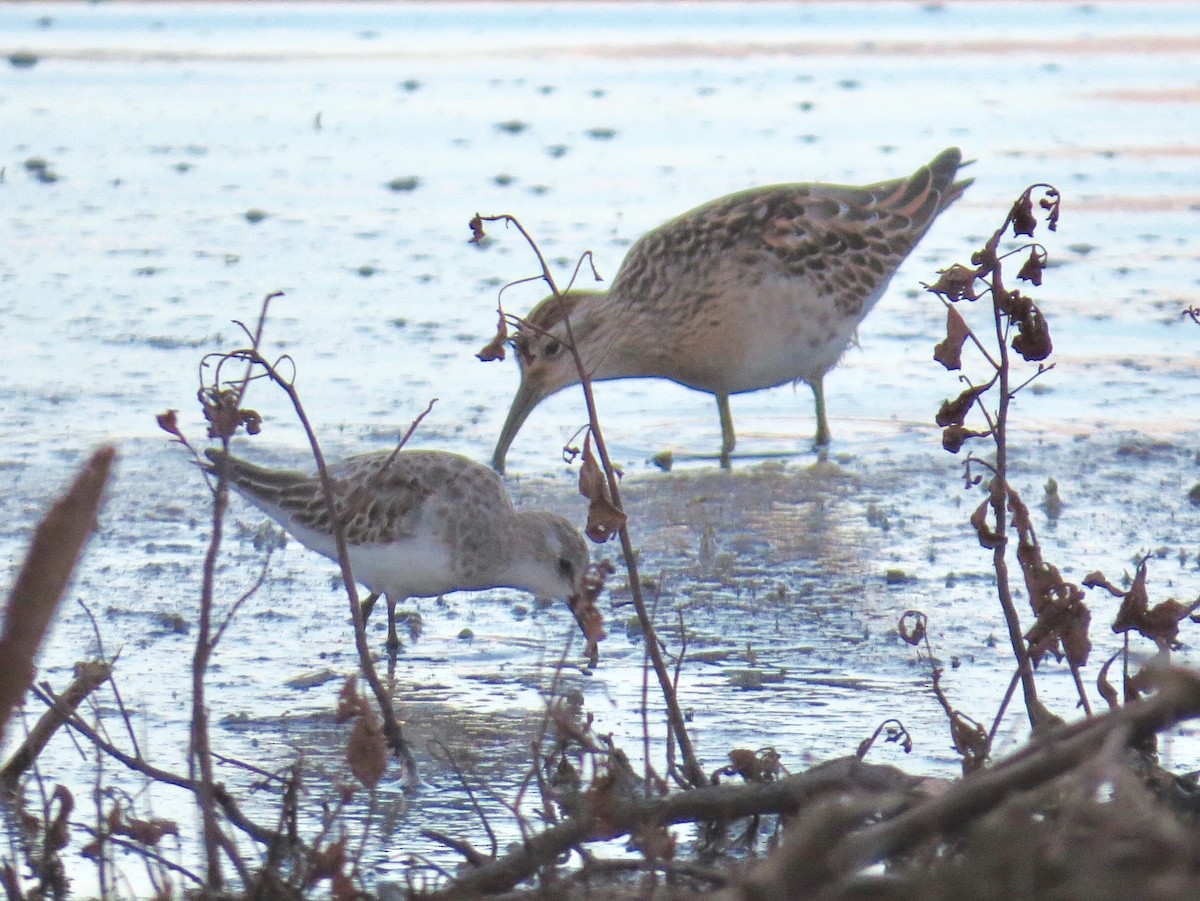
[(167, 123)]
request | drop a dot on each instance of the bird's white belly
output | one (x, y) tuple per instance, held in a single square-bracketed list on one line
[(417, 567), (781, 335)]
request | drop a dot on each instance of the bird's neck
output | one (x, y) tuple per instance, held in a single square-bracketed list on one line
[(612, 342)]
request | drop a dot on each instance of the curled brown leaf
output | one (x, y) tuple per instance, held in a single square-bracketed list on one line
[(913, 634), (366, 750), (169, 423), (979, 521), (955, 283), (1023, 220), (949, 351), (495, 349), (954, 412), (1033, 343), (476, 226), (605, 519), (1031, 270)]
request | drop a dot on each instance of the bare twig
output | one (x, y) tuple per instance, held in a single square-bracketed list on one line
[(693, 773), (88, 677)]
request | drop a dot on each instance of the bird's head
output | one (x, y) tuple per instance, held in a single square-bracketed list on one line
[(544, 356)]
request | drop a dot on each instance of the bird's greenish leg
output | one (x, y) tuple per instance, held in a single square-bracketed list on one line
[(393, 640), (368, 605), (822, 439), (728, 438)]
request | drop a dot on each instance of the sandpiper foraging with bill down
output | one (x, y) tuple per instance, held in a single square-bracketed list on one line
[(745, 292), (421, 523)]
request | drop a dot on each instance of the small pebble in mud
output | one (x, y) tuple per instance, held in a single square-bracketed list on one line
[(173, 623), (601, 134), (306, 681), (404, 183), (23, 59), (255, 215), (755, 679), (512, 126), (1194, 494), (366, 270), (466, 635), (877, 518), (1052, 503), (896, 577)]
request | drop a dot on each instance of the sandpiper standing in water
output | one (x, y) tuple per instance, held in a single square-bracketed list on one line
[(420, 524), (745, 292)]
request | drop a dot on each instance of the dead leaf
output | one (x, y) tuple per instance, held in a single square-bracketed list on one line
[(1033, 343), (1031, 271), (326, 863), (1097, 580), (954, 412), (605, 519), (1052, 202), (949, 351), (168, 422), (495, 349), (58, 829), (1023, 220), (366, 750), (349, 703), (1105, 687), (987, 536), (476, 226), (224, 416), (915, 633), (955, 283)]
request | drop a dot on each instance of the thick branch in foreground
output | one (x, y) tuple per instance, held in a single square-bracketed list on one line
[(828, 842), (793, 869), (57, 543), (611, 816)]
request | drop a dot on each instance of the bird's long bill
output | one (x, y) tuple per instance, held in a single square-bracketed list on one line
[(528, 396)]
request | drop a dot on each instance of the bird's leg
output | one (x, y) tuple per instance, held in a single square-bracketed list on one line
[(728, 438), (393, 640), (821, 441), (368, 605)]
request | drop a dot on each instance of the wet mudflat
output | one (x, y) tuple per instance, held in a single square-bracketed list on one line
[(196, 157)]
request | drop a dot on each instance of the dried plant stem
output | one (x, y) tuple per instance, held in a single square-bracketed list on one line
[(228, 805), (391, 724), (200, 752), (88, 677), (1038, 715), (692, 773)]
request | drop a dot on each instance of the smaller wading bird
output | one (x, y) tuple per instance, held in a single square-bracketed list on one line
[(420, 524), (745, 292)]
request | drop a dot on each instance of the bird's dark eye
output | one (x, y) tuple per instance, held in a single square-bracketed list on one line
[(552, 347), (566, 567)]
